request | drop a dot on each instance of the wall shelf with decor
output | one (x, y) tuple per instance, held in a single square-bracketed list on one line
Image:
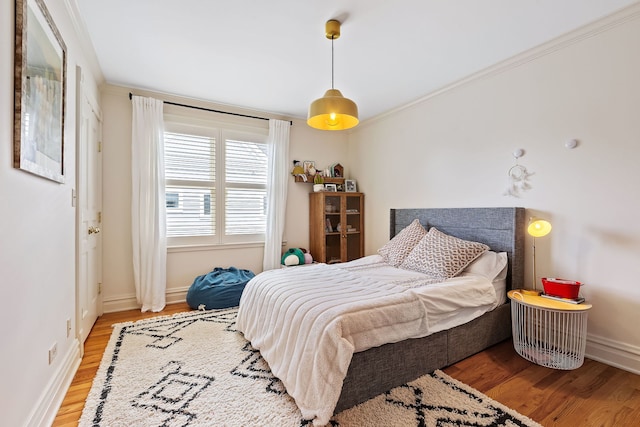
[(327, 180)]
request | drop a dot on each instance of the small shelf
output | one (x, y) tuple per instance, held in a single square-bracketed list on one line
[(327, 180)]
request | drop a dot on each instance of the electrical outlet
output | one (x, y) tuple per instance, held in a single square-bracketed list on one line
[(53, 352), (68, 328)]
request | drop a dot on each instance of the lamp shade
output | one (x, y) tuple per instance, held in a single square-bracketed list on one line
[(538, 227), (333, 112)]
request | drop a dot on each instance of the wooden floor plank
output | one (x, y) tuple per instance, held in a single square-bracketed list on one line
[(593, 395)]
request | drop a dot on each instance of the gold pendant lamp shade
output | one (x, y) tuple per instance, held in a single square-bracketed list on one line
[(333, 111)]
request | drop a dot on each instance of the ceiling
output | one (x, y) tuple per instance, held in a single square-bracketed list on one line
[(273, 56)]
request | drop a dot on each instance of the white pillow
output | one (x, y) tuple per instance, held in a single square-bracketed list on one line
[(442, 256), (490, 265), (397, 249)]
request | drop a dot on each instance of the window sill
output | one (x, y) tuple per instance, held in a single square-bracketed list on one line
[(211, 247), (216, 247)]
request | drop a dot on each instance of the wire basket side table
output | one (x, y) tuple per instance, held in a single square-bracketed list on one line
[(550, 333)]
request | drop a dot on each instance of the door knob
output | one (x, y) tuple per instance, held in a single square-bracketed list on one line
[(94, 230)]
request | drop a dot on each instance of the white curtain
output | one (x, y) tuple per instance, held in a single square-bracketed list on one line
[(148, 215), (277, 182)]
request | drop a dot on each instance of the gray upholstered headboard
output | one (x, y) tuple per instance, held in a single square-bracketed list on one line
[(502, 229)]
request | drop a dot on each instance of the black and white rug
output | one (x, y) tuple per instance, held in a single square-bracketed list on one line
[(195, 369)]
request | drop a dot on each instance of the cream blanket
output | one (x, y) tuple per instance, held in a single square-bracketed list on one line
[(308, 321)]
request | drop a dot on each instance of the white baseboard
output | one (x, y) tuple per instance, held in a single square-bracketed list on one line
[(129, 302), (177, 295), (614, 353), (48, 405)]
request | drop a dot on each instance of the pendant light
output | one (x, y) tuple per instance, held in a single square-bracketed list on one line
[(333, 111)]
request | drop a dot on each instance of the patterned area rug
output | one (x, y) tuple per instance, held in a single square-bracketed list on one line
[(195, 369)]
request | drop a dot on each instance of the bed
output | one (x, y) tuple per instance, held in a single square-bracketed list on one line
[(367, 373)]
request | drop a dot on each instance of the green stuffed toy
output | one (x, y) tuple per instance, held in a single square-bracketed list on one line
[(293, 256)]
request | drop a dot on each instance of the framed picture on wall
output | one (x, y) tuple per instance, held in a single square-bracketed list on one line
[(39, 91), (350, 186)]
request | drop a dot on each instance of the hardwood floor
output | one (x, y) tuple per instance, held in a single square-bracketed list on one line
[(593, 395)]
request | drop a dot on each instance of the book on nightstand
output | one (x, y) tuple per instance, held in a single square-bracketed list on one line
[(578, 300)]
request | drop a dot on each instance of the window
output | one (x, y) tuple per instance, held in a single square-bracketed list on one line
[(215, 184)]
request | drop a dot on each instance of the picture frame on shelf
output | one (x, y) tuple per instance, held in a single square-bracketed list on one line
[(308, 164), (350, 186), (330, 187)]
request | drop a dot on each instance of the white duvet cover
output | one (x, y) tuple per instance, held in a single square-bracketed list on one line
[(308, 321)]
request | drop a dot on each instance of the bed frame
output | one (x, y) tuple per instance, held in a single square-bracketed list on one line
[(379, 369)]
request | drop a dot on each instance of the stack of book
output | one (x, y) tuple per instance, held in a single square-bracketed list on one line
[(578, 300)]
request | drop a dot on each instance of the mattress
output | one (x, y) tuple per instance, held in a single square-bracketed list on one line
[(308, 321)]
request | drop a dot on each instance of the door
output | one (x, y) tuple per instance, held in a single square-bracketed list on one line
[(89, 216)]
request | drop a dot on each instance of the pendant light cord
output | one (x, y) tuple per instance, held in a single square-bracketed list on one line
[(332, 36)]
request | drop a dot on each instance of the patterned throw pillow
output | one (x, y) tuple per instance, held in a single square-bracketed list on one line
[(442, 256), (396, 250)]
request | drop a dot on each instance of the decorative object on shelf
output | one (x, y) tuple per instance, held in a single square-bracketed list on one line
[(330, 187), (318, 183), (350, 186), (329, 207), (328, 228), (537, 228), (307, 165), (333, 111), (298, 170), (518, 177), (337, 171), (40, 70)]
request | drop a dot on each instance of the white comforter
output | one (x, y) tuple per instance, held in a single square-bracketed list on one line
[(308, 321)]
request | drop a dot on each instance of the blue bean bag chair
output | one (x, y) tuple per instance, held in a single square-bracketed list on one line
[(220, 288)]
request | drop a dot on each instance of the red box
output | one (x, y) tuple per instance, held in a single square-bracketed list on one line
[(561, 287)]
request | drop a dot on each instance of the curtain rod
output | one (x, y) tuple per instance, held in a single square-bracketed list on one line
[(213, 111)]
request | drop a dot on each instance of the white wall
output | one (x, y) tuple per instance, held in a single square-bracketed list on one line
[(183, 265), (453, 149), (37, 250)]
